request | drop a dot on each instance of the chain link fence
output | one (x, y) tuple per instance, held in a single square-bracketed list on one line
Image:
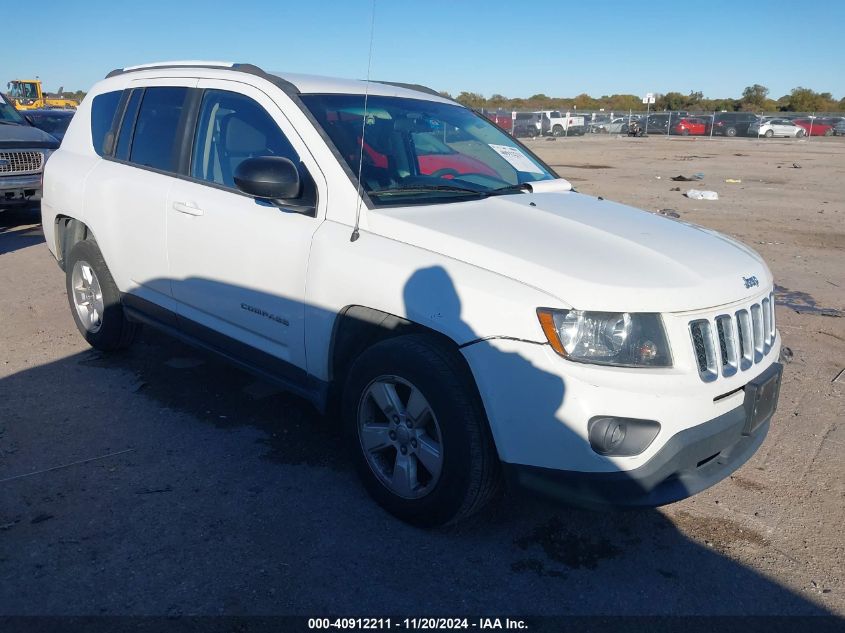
[(806, 125)]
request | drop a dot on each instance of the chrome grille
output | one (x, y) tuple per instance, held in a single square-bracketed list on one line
[(20, 162), (733, 342)]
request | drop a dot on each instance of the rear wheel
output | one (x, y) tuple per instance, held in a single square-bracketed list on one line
[(557, 130), (95, 300), (731, 131), (418, 432), (800, 134)]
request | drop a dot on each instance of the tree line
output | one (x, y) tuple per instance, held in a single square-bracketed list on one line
[(754, 99)]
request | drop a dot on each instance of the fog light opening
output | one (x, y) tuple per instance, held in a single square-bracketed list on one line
[(610, 435)]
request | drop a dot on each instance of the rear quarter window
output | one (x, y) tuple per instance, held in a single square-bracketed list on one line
[(103, 108)]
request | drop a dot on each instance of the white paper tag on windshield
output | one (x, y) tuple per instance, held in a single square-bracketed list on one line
[(2, 100), (516, 158)]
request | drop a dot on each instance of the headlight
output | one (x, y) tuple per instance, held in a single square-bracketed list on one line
[(607, 338)]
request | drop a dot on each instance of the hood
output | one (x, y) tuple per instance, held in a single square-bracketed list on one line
[(590, 254), (25, 137)]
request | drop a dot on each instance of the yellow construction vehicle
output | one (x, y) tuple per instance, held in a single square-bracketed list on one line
[(26, 94)]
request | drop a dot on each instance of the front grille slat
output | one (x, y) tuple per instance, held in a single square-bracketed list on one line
[(727, 344), (757, 330), (734, 342), (21, 162), (746, 339), (705, 352)]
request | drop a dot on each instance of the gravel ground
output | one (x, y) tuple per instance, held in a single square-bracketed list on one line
[(163, 482)]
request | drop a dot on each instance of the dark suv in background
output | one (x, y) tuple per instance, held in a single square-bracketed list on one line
[(23, 151), (733, 123)]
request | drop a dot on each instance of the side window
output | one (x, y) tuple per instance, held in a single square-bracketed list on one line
[(154, 142), (127, 125), (231, 128), (103, 108)]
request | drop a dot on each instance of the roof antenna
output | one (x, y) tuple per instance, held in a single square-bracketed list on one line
[(355, 234)]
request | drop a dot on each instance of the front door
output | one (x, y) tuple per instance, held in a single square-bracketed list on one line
[(238, 264)]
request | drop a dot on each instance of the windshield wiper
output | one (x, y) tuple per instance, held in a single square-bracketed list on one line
[(425, 188), (523, 186)]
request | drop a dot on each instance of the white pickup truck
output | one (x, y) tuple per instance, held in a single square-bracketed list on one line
[(562, 124), (379, 246)]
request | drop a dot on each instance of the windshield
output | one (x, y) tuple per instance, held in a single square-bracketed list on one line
[(8, 113), (422, 151), (52, 123)]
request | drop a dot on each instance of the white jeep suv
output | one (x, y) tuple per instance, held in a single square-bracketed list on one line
[(379, 246)]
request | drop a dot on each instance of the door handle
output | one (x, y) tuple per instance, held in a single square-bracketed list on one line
[(189, 208)]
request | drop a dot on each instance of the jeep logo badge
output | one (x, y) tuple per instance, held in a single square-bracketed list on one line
[(750, 282)]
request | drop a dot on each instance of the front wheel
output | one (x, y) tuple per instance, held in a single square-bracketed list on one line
[(95, 300), (557, 130), (800, 134), (769, 134), (730, 131), (418, 432)]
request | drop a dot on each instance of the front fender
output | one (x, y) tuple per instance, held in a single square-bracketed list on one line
[(460, 301)]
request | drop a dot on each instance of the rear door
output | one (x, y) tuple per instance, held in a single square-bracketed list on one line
[(129, 189), (238, 264)]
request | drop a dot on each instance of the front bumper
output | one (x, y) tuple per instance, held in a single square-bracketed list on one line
[(689, 462), (20, 189)]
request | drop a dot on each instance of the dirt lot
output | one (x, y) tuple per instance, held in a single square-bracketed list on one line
[(168, 483)]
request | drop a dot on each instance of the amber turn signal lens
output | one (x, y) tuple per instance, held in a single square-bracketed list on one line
[(547, 322)]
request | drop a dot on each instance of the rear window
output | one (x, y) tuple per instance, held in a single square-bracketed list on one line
[(154, 141), (103, 108)]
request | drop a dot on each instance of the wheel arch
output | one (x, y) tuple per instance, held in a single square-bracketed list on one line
[(68, 232), (359, 327)]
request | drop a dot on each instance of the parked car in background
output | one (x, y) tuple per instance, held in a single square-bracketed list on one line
[(771, 126), (815, 126), (655, 123), (598, 123), (24, 150), (503, 119), (687, 126), (833, 121), (527, 124), (839, 128), (733, 123), (561, 124), (54, 121), (619, 125)]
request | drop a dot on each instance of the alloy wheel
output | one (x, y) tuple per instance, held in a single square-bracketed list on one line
[(87, 296), (400, 436)]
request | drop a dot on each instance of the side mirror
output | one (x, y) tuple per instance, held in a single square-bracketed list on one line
[(270, 177)]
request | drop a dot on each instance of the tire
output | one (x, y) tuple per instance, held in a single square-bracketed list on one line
[(769, 133), (828, 132), (731, 131), (800, 134), (87, 278), (685, 132), (467, 475), (557, 130)]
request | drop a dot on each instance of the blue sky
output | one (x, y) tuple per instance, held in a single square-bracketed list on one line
[(514, 48)]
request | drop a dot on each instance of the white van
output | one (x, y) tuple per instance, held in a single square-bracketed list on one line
[(384, 248)]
